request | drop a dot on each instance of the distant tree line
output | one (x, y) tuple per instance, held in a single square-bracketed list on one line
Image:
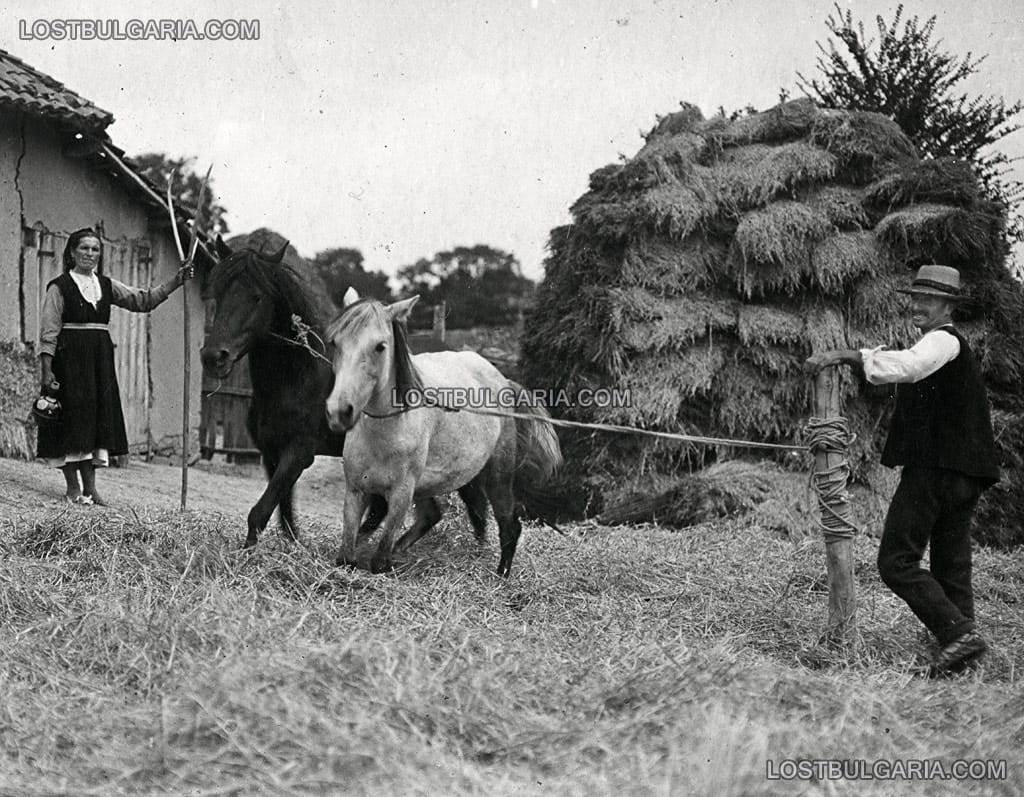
[(480, 285)]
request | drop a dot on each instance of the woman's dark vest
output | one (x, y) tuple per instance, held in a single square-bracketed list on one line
[(76, 309), (943, 421)]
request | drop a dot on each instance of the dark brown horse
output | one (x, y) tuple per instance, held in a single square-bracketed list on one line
[(263, 310)]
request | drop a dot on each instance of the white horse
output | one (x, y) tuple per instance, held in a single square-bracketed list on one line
[(405, 452)]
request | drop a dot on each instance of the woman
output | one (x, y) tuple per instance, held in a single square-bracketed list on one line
[(76, 352)]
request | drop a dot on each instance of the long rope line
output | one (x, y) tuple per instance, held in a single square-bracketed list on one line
[(825, 436), (303, 331), (612, 427), (828, 435)]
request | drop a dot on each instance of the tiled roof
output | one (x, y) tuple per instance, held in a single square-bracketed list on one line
[(30, 90), (34, 92)]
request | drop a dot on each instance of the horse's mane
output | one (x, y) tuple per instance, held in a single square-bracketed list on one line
[(363, 312), (279, 281)]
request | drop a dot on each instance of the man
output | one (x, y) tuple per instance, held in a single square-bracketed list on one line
[(941, 433)]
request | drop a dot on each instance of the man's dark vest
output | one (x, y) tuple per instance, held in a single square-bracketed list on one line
[(943, 421), (76, 309)]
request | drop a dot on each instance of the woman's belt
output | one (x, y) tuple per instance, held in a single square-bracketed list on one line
[(104, 327)]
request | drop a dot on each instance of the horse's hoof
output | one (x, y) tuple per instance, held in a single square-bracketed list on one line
[(343, 561), (381, 564), (250, 542), (504, 569)]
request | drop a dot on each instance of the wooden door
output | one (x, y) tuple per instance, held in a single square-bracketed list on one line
[(225, 409), (129, 262)]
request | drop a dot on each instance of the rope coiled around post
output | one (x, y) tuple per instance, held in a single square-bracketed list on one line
[(832, 436)]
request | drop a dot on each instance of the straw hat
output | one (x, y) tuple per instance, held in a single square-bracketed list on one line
[(935, 280)]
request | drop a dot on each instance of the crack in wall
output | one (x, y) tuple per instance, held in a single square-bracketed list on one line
[(22, 322)]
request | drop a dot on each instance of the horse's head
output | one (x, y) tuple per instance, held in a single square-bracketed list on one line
[(242, 290), (369, 347)]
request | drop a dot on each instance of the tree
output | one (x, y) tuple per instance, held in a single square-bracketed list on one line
[(908, 77), (342, 268), (480, 286), (156, 167)]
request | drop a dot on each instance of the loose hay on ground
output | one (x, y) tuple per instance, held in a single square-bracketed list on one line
[(165, 660)]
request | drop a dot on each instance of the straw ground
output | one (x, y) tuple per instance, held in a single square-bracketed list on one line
[(141, 652)]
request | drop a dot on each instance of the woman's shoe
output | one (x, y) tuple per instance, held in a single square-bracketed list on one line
[(79, 499)]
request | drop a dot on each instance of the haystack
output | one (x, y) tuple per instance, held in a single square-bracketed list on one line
[(18, 389), (700, 273)]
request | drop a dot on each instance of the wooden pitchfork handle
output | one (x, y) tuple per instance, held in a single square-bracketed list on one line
[(187, 359)]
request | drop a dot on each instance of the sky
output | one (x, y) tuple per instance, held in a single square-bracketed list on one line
[(407, 127)]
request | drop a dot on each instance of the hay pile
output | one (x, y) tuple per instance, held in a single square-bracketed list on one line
[(18, 389), (701, 272), (721, 490)]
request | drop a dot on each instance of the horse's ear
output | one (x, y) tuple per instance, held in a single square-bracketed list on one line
[(278, 256), (351, 297), (399, 311), (222, 249)]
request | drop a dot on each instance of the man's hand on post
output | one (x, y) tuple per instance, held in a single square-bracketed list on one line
[(824, 359), (816, 362)]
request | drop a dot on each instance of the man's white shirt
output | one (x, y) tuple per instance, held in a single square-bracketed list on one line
[(924, 358)]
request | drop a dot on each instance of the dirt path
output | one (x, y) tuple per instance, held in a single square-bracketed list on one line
[(27, 487)]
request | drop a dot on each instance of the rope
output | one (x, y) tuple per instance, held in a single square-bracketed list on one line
[(832, 436), (303, 330), (302, 333), (604, 427), (825, 436)]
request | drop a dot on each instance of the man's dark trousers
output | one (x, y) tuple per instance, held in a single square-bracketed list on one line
[(932, 505)]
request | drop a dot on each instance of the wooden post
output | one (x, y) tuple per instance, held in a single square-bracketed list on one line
[(439, 330), (842, 596), (186, 396)]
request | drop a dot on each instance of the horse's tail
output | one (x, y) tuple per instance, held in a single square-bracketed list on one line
[(538, 457)]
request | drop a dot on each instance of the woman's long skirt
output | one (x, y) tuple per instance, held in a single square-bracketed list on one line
[(91, 414)]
